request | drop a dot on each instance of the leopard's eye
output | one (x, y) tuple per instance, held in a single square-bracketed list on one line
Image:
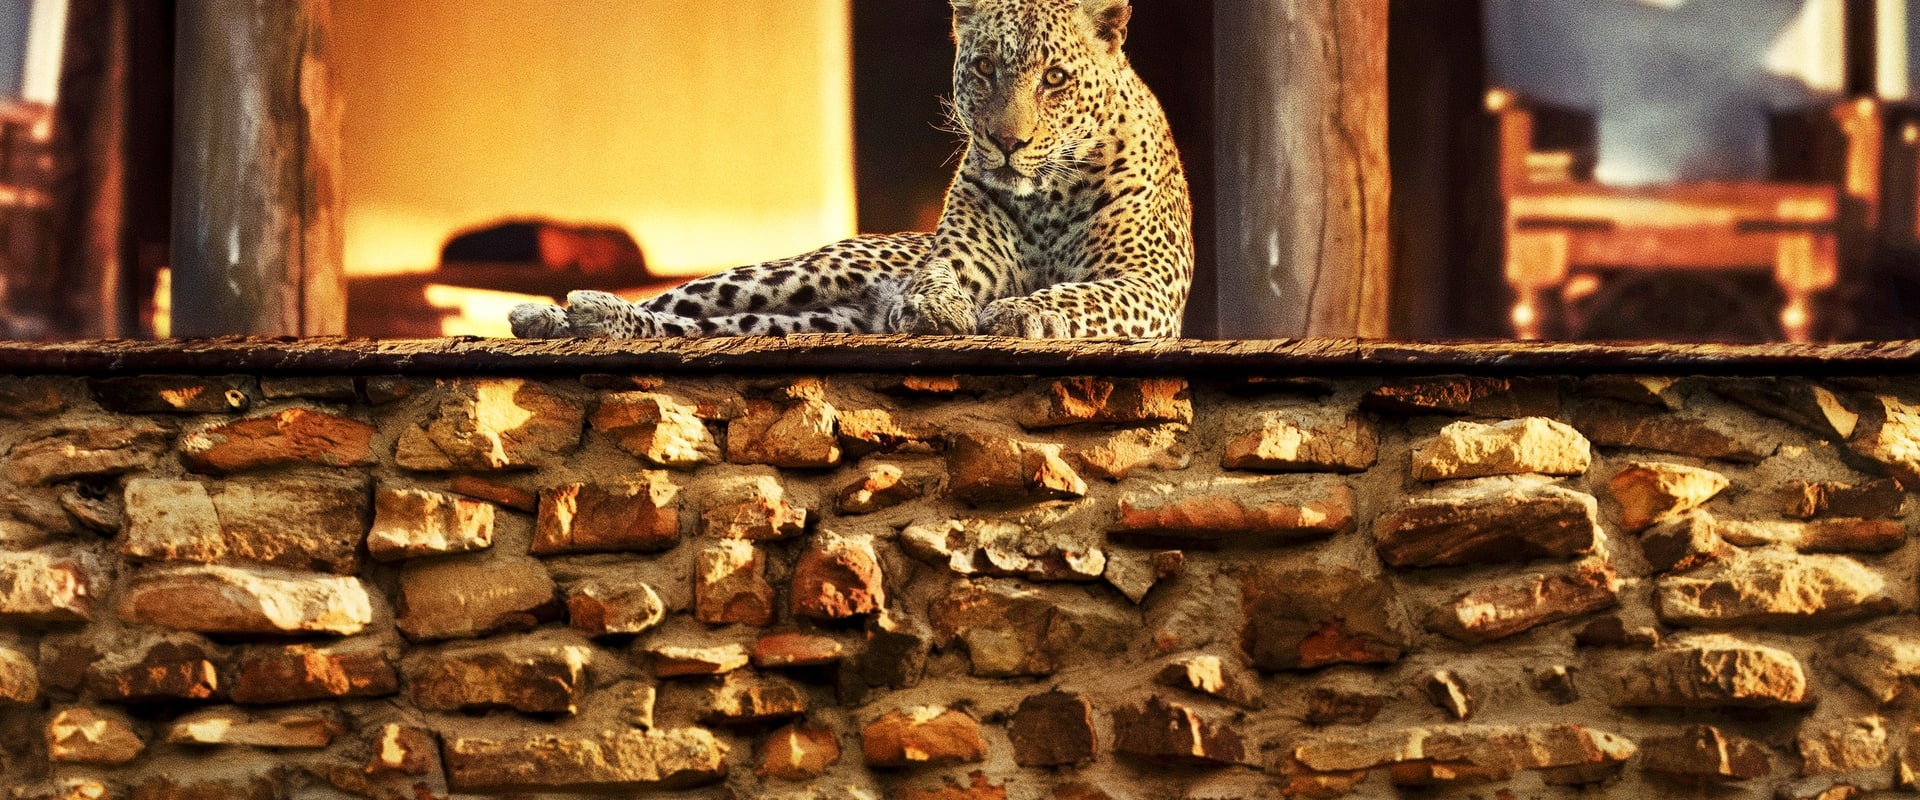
[(1056, 77), (983, 67)]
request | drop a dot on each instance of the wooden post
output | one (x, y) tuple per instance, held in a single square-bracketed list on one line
[(1301, 154), (257, 236)]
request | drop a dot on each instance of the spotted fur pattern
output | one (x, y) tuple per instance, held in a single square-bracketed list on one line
[(1069, 216)]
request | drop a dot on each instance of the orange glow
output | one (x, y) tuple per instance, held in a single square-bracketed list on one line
[(717, 133)]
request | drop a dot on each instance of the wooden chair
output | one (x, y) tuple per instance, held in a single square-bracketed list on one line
[(1562, 228)]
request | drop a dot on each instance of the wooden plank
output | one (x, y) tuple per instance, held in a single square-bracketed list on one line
[(1301, 155), (867, 355), (257, 231)]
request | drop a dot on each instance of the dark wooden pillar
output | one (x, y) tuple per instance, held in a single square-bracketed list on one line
[(1861, 61), (1301, 157), (1448, 235), (257, 235)]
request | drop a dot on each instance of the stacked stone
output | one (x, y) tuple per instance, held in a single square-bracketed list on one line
[(967, 587)]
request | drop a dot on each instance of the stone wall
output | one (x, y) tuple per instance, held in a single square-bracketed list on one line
[(1185, 583)]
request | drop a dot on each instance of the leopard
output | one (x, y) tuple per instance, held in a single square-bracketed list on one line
[(1069, 216)]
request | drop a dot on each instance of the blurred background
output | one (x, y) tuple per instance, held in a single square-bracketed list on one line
[(1682, 170)]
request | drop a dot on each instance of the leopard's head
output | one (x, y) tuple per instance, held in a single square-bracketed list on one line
[(1033, 82)]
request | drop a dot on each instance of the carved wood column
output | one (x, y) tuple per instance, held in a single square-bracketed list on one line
[(257, 236), (1301, 154)]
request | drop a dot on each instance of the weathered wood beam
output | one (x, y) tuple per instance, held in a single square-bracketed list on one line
[(1301, 154), (933, 355), (257, 229)]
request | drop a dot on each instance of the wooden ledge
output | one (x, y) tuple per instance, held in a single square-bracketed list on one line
[(827, 354)]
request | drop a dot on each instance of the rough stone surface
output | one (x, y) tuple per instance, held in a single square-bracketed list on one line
[(1866, 500), (1010, 629), (162, 667), (1343, 705), (1765, 587), (410, 523), (865, 431), (1307, 440), (211, 599), (85, 452), (1685, 543), (1053, 729), (1308, 619), (1747, 620), (797, 752), (1817, 536), (1801, 402), (742, 698), (1843, 746), (1074, 401), (1650, 492), (761, 513), (639, 513), (299, 525), (401, 762), (486, 488), (1562, 753), (45, 586), (1462, 396), (1502, 610), (883, 487), (82, 735), (1450, 693), (19, 678), (922, 736), (1685, 433), (535, 675), (1884, 664), (798, 436), (992, 547), (838, 577), (1705, 754), (1889, 433), (789, 649), (613, 608), (292, 436), (730, 585), (681, 661), (1244, 511), (175, 394), (1715, 672), (1213, 675), (1125, 452), (986, 470), (35, 396), (267, 675), (490, 425), (615, 760), (1515, 447), (659, 429), (1487, 521), (217, 727), (1172, 733), (468, 597)]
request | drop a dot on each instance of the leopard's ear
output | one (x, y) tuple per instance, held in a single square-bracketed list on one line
[(962, 11), (1110, 19)]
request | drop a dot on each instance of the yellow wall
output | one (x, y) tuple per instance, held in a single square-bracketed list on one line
[(719, 132)]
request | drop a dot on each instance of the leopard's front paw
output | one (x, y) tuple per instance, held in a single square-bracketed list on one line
[(539, 321), (1022, 317), (602, 315), (934, 314)]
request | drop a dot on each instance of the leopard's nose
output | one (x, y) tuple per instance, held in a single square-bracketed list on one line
[(1010, 143)]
